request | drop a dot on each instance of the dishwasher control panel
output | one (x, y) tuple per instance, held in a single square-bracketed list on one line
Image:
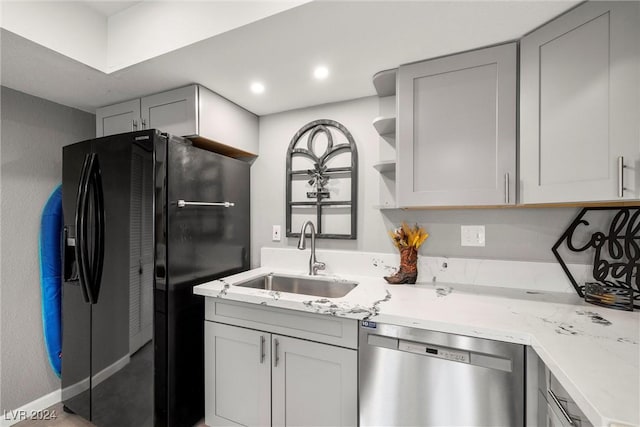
[(434, 351)]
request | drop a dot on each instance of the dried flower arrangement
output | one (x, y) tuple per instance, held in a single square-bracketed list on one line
[(407, 240)]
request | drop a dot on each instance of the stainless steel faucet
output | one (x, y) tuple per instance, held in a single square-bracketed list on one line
[(314, 264)]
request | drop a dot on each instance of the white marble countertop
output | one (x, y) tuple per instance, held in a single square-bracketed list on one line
[(594, 352)]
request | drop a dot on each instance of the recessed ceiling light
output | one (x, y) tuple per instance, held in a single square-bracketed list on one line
[(321, 72), (257, 87)]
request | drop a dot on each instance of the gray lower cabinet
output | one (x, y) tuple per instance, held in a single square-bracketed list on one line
[(548, 403), (555, 407), (313, 384), (547, 415), (237, 376), (457, 129), (267, 377), (579, 106)]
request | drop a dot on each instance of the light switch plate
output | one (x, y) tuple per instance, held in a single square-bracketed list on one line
[(472, 235), (275, 233)]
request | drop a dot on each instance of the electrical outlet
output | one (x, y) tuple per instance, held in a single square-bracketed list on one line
[(275, 233), (472, 235)]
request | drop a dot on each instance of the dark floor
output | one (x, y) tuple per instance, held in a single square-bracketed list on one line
[(63, 419), (129, 392), (59, 418), (123, 400)]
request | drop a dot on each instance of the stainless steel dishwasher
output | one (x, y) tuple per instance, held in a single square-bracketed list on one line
[(414, 377)]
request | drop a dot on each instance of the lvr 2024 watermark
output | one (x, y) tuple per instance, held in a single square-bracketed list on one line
[(20, 415)]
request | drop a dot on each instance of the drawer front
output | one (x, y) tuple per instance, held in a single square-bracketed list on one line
[(309, 326), (547, 416), (560, 400), (559, 406)]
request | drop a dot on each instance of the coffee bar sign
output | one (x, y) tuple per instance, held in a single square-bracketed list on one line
[(613, 244)]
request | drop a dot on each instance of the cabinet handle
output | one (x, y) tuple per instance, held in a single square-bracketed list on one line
[(144, 123), (262, 349), (276, 346), (621, 167), (134, 125), (506, 188), (557, 402)]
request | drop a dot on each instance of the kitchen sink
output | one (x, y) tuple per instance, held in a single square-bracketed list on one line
[(321, 287)]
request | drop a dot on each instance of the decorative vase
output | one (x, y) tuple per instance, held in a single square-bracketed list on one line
[(408, 271)]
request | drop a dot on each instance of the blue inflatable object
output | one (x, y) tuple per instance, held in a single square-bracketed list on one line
[(50, 276)]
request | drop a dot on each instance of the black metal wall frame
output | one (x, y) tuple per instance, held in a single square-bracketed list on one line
[(314, 128)]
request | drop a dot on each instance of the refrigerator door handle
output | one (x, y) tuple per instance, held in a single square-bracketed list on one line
[(183, 203), (81, 227), (95, 178)]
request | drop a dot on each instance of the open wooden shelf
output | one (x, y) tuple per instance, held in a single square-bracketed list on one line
[(385, 126), (388, 166), (385, 82)]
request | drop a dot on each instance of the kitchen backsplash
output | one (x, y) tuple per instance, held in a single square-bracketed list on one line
[(540, 276)]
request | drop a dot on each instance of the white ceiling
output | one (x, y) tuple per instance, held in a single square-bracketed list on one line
[(354, 39), (108, 8)]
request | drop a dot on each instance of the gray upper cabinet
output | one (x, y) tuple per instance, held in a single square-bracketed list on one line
[(580, 106), (192, 111), (457, 129), (174, 111), (118, 118)]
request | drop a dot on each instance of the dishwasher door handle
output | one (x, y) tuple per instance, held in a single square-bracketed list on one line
[(457, 355), (439, 352), (382, 341)]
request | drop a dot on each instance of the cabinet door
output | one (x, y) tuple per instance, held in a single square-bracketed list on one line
[(174, 112), (457, 129), (237, 376), (313, 384), (579, 106), (118, 118)]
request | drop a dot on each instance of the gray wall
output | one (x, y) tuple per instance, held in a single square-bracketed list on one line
[(33, 132), (511, 234)]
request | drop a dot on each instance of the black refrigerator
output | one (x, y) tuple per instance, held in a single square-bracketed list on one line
[(147, 216)]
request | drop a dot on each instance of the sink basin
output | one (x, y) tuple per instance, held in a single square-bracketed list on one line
[(321, 287)]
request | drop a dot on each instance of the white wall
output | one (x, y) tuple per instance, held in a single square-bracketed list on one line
[(149, 29), (140, 32), (70, 28), (511, 234), (33, 133), (268, 174)]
